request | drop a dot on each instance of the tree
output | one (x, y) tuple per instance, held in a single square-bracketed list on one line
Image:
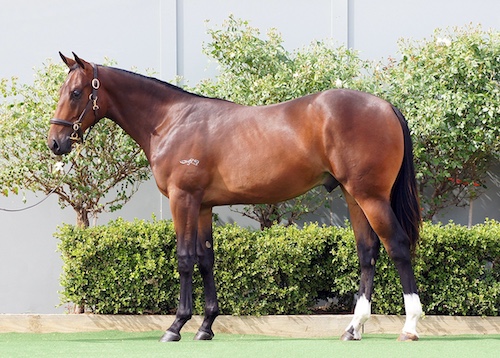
[(109, 162), (253, 71), (448, 87)]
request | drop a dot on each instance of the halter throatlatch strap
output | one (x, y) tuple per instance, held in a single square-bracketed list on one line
[(77, 135)]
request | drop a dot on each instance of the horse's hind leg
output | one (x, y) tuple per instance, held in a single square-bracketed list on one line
[(397, 244), (367, 245), (205, 253)]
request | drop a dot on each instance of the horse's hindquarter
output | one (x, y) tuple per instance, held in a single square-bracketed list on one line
[(363, 139)]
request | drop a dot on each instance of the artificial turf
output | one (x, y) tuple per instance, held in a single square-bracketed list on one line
[(145, 344)]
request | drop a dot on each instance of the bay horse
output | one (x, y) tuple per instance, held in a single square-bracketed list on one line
[(206, 152)]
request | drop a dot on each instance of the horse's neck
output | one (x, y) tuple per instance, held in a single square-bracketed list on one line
[(138, 107)]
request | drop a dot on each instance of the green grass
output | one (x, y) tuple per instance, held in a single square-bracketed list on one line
[(145, 345)]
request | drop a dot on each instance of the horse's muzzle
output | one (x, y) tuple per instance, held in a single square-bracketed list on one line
[(60, 147)]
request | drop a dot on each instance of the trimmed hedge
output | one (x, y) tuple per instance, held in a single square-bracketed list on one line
[(131, 268)]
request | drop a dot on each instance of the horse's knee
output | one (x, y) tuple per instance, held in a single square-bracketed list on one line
[(185, 264)]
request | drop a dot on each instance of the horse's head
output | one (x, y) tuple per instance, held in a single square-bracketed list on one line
[(78, 106)]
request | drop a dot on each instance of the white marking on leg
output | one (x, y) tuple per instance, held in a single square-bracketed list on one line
[(361, 314), (413, 309)]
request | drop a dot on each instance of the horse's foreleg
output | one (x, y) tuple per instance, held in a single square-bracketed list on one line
[(367, 244), (184, 311), (185, 214), (205, 252)]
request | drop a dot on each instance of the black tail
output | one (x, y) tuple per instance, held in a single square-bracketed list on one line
[(404, 198)]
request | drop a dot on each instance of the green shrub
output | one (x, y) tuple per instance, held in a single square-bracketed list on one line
[(130, 268), (457, 271), (282, 270), (124, 267), (447, 87)]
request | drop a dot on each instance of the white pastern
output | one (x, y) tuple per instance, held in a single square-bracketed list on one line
[(413, 309), (361, 314)]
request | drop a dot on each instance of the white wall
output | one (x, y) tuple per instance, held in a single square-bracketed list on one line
[(167, 36)]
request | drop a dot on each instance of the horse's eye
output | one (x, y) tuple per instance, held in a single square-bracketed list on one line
[(76, 94)]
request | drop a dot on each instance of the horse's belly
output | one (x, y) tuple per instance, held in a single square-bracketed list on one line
[(263, 185)]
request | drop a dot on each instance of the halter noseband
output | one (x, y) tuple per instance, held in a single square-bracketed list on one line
[(77, 136)]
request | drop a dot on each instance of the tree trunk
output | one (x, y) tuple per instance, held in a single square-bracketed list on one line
[(82, 221), (268, 214), (82, 217)]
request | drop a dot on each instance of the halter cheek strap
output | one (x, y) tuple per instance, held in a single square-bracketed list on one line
[(77, 135)]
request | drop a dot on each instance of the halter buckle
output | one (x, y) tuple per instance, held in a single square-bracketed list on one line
[(96, 83), (75, 137), (93, 98)]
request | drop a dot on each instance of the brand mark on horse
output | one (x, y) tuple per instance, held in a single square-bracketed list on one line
[(190, 161)]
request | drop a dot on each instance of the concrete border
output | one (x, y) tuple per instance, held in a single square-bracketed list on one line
[(301, 326)]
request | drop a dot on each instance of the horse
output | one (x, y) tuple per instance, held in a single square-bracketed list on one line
[(206, 152)]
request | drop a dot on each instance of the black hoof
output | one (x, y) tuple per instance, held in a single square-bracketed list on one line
[(203, 336), (170, 337)]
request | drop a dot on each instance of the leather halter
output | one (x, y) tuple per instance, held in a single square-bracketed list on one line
[(77, 135)]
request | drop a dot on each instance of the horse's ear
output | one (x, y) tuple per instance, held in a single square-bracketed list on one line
[(78, 60), (68, 61)]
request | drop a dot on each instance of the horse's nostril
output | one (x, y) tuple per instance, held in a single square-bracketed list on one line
[(55, 147)]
